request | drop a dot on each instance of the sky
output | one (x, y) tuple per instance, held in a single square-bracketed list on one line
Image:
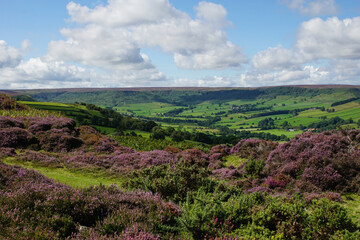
[(178, 43)]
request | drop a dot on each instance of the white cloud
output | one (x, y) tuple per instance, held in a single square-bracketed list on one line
[(312, 7), (277, 58), (212, 12), (331, 38), (9, 56), (199, 43), (47, 72), (122, 13), (307, 75), (209, 81), (39, 73), (114, 34), (97, 46), (326, 51), (317, 39)]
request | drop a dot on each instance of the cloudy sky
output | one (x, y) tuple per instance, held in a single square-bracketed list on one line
[(164, 43)]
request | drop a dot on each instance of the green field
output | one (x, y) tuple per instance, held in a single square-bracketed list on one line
[(208, 110)]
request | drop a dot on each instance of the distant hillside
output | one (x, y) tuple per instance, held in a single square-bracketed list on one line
[(220, 111), (111, 97)]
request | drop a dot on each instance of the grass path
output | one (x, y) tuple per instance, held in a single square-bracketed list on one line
[(71, 178)]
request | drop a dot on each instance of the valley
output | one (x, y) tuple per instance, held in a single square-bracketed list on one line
[(282, 163)]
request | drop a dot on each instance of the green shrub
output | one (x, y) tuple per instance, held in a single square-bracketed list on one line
[(171, 182), (254, 167)]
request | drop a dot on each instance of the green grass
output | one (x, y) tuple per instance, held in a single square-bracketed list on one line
[(352, 203), (105, 130), (71, 178), (280, 132), (234, 161)]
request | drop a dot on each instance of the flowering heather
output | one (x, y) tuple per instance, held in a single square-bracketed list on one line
[(329, 160), (7, 122), (194, 157), (254, 148), (41, 159), (7, 103), (33, 205), (329, 195), (16, 137), (216, 155), (119, 163), (7, 152), (223, 149), (227, 173)]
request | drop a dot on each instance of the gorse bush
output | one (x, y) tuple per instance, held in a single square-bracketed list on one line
[(172, 181), (144, 144)]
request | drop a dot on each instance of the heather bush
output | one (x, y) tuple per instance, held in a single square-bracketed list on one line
[(15, 137), (58, 140), (8, 122), (328, 161), (227, 173), (7, 152), (223, 149), (38, 158), (7, 103), (332, 196), (278, 181), (38, 208), (192, 157), (253, 148), (217, 155)]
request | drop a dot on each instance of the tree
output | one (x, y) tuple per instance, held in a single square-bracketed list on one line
[(267, 123), (177, 136), (157, 133), (286, 125)]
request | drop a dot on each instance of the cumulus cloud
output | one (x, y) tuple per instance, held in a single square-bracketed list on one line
[(277, 58), (114, 34), (47, 72), (331, 38), (9, 56), (307, 75), (332, 44), (38, 72), (312, 7), (99, 47), (122, 13), (326, 51)]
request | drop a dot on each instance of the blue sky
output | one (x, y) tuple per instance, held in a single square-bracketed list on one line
[(161, 43)]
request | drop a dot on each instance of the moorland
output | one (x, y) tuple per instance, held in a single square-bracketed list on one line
[(264, 163)]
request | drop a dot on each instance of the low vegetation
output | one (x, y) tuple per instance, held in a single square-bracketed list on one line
[(305, 188)]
